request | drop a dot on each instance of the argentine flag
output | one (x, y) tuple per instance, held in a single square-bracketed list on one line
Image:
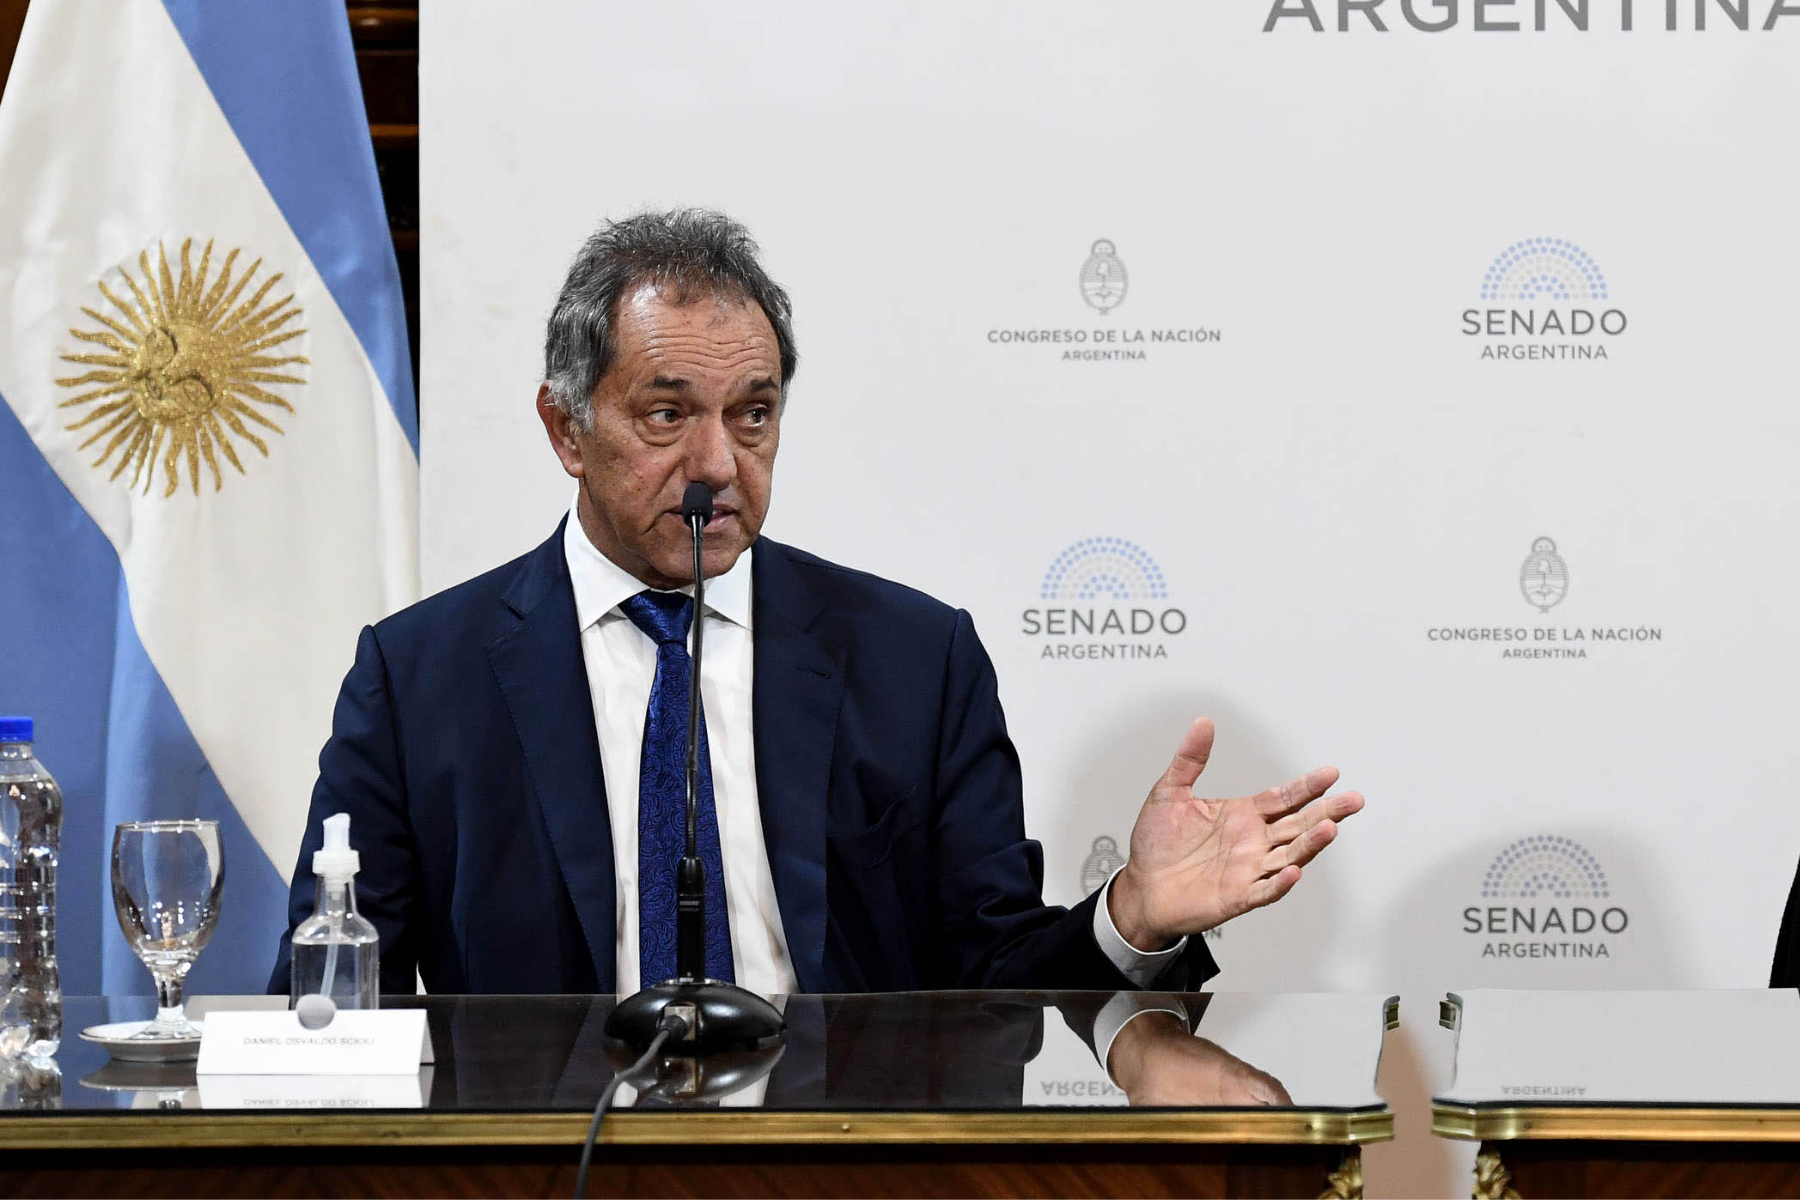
[(208, 443)]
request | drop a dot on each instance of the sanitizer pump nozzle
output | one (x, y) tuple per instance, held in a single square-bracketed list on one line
[(336, 860)]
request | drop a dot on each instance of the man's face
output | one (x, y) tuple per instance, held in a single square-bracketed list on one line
[(693, 394)]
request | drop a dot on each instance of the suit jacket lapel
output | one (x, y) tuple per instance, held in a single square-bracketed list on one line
[(794, 708), (543, 679)]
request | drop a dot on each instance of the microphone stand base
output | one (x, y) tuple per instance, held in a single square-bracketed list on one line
[(726, 1017)]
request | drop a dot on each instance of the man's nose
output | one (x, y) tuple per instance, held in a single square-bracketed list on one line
[(709, 457)]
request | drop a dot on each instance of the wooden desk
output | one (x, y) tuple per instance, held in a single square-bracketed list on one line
[(925, 1094), (1627, 1093)]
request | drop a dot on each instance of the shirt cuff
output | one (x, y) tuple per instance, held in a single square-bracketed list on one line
[(1143, 968), (1119, 1012)]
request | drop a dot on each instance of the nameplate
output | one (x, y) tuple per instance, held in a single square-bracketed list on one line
[(316, 1091), (357, 1042)]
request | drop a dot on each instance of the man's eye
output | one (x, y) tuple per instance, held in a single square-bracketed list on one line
[(756, 416), (664, 416)]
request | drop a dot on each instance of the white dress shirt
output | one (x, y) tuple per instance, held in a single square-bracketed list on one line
[(621, 666)]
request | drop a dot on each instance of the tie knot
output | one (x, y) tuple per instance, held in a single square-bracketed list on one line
[(665, 616)]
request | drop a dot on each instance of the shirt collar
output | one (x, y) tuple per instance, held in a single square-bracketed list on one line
[(601, 584)]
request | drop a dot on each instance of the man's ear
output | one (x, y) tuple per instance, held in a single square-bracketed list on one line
[(561, 430)]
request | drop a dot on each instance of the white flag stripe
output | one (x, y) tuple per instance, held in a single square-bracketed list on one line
[(247, 599)]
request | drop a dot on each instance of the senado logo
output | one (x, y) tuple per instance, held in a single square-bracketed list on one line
[(1104, 597), (1544, 267), (1545, 896), (1104, 566), (1544, 299), (1546, 866)]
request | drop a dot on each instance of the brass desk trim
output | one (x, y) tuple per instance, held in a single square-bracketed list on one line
[(1599, 1123), (1344, 1127)]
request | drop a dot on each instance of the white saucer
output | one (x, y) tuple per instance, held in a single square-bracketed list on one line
[(118, 1076), (119, 1042)]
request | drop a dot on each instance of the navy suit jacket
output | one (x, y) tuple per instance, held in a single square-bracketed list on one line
[(463, 747)]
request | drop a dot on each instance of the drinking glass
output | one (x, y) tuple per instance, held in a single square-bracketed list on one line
[(166, 880)]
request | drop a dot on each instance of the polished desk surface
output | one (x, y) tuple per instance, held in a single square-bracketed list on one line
[(1666, 1066), (933, 1066)]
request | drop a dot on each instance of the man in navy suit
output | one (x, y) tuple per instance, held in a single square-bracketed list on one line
[(505, 748)]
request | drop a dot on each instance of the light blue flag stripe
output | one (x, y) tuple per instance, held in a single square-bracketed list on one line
[(285, 76), (111, 734)]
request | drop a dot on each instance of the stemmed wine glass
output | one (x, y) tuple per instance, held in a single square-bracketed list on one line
[(166, 881)]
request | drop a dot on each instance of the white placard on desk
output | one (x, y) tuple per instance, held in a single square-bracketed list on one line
[(357, 1042), (315, 1091)]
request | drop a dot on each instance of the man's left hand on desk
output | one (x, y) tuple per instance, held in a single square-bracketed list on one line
[(1162, 1065)]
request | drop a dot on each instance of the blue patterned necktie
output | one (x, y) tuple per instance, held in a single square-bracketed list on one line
[(662, 799)]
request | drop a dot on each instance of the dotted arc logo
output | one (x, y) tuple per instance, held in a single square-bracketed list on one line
[(1545, 867), (1104, 568), (1547, 269)]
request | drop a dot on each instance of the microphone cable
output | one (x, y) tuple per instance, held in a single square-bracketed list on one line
[(674, 1025)]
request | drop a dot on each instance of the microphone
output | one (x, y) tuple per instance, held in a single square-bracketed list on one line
[(696, 504), (690, 873), (711, 1016)]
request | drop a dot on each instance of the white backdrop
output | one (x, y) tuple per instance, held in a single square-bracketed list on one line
[(1333, 483)]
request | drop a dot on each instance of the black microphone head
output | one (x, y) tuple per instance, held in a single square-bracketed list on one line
[(697, 502)]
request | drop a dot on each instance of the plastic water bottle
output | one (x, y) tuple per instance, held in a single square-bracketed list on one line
[(30, 834), (337, 954)]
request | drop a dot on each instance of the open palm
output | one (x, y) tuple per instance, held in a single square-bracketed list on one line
[(1195, 863)]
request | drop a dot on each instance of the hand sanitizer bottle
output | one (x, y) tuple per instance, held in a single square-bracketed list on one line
[(337, 954)]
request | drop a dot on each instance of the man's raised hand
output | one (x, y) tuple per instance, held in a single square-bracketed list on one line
[(1195, 864)]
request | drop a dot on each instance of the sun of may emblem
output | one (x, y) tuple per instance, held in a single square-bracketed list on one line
[(183, 367)]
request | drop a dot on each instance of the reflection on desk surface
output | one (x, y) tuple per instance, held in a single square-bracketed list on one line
[(901, 1052), (1533, 1049)]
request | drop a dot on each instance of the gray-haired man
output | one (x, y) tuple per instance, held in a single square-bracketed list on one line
[(503, 746)]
